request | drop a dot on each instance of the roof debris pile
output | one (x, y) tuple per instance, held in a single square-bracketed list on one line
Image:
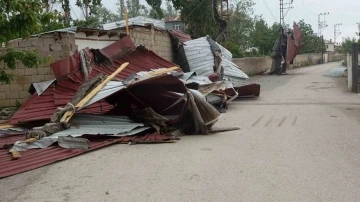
[(119, 94), (204, 57)]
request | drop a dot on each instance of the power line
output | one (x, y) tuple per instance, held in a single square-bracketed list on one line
[(194, 9), (73, 11), (268, 8)]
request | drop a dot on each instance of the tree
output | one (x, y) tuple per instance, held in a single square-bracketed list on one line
[(101, 16), (312, 43), (261, 37), (156, 8), (88, 7), (346, 45), (120, 9), (64, 14), (198, 17), (20, 19), (170, 10), (134, 8)]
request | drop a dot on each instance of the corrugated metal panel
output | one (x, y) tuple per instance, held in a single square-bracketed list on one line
[(40, 87), (100, 125), (109, 89), (36, 158), (200, 57), (226, 54), (201, 60), (140, 21)]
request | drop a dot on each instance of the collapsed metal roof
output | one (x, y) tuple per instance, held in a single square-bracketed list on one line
[(201, 59), (69, 78)]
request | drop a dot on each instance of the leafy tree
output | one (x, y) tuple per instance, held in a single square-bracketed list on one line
[(241, 24), (101, 16), (120, 9), (346, 45), (134, 8), (52, 20), (261, 37), (312, 43), (170, 10), (20, 19), (89, 9), (156, 8), (198, 17), (63, 15)]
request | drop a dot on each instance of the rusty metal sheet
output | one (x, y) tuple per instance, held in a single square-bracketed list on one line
[(37, 158), (181, 35)]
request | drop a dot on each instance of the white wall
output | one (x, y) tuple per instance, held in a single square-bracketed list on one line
[(330, 47), (349, 66), (93, 41)]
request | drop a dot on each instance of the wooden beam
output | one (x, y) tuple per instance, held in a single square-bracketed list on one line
[(127, 22), (67, 116)]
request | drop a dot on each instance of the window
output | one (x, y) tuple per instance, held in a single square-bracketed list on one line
[(176, 27)]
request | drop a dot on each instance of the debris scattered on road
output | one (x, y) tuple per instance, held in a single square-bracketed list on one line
[(94, 103)]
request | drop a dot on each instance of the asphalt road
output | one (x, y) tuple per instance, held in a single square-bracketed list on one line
[(299, 142)]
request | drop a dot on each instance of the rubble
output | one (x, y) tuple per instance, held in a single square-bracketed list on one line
[(120, 94)]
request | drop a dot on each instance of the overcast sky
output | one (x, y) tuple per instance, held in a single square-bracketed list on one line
[(346, 12)]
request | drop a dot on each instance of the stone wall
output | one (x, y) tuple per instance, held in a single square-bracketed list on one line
[(155, 40), (54, 45)]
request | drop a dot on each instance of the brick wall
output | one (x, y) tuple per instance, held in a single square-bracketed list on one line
[(159, 41), (54, 45)]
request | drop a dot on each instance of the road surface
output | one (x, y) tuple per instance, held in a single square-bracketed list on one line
[(299, 141)]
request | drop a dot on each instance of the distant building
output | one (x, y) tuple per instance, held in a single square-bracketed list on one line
[(174, 23), (329, 45)]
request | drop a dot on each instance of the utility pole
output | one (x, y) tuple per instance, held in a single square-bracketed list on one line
[(322, 49), (321, 24), (282, 8), (358, 33), (336, 31), (225, 15)]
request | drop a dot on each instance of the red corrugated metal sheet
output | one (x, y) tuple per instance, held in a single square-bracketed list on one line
[(36, 158), (181, 35), (69, 79), (294, 45)]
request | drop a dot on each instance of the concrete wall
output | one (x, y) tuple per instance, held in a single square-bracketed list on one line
[(349, 72), (258, 65), (253, 65), (56, 46), (155, 40)]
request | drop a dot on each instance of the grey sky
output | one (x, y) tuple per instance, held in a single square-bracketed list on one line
[(344, 11)]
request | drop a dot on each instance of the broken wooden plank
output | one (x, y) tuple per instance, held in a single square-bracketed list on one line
[(67, 116), (15, 155)]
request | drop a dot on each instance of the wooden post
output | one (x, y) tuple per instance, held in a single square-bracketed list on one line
[(355, 70), (127, 21)]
